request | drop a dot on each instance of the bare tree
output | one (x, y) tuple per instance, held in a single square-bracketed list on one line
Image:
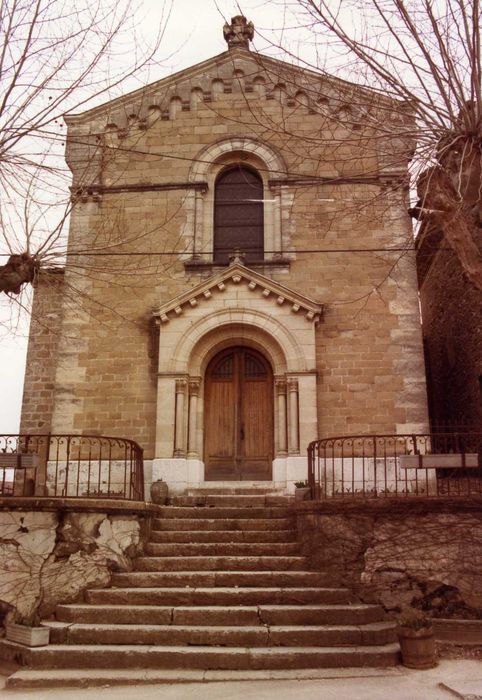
[(56, 56), (425, 54)]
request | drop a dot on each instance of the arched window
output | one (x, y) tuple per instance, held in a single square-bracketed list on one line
[(238, 214)]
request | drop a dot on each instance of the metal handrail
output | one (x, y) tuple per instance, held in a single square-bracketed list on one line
[(71, 466), (412, 464)]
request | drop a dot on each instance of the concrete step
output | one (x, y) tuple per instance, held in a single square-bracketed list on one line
[(228, 636), (157, 614), (222, 549), (75, 678), (199, 536), (232, 500), (225, 513), (266, 563), (223, 524), (334, 614), (227, 488), (85, 656), (217, 596), (282, 615), (151, 579)]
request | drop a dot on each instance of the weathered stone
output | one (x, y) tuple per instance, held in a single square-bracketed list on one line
[(405, 555), (46, 558)]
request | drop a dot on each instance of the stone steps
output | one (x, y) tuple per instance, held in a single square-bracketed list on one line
[(110, 656), (223, 524), (221, 588), (218, 536), (77, 678), (226, 513), (228, 636), (266, 563), (223, 549), (210, 579), (216, 596), (225, 500), (284, 614)]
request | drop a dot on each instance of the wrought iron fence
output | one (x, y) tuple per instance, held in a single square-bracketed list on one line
[(71, 466), (431, 464)]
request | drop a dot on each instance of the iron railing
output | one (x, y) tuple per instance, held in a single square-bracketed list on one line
[(431, 464), (71, 466)]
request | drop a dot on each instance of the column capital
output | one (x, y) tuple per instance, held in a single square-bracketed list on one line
[(194, 386), (181, 386), (292, 383), (280, 385)]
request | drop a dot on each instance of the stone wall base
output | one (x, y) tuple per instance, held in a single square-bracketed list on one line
[(405, 552), (181, 474)]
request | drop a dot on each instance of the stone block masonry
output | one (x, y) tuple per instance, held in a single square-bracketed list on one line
[(145, 203)]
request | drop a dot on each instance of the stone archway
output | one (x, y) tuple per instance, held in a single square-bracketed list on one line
[(235, 308)]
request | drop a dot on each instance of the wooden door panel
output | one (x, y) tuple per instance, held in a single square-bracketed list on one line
[(257, 420), (238, 416), (222, 433)]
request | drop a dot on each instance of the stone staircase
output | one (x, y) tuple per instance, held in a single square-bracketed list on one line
[(221, 592)]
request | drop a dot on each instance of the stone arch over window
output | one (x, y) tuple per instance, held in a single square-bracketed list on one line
[(207, 166), (238, 214)]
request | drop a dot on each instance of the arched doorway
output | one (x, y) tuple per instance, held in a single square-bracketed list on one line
[(238, 435)]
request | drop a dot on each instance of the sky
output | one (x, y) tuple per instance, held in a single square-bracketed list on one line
[(194, 33)]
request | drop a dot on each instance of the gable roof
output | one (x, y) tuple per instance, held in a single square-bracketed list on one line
[(237, 65), (237, 274)]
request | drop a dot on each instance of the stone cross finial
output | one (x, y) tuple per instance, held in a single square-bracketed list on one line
[(239, 33)]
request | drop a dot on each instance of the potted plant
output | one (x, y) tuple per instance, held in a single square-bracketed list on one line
[(28, 631), (417, 642), (302, 490)]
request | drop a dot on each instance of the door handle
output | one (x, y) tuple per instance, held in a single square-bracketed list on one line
[(242, 432)]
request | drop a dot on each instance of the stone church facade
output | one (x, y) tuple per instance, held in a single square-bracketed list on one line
[(234, 286)]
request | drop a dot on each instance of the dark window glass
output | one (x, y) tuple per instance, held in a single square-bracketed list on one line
[(224, 370), (238, 214), (254, 368)]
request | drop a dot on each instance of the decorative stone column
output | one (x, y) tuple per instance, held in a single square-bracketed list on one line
[(293, 417), (194, 386), (198, 242), (278, 239), (280, 385), (179, 444)]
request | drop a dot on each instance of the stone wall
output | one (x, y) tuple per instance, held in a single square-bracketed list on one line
[(419, 553), (45, 329), (452, 328), (51, 556), (140, 201)]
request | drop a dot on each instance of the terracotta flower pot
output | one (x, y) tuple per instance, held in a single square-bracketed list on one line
[(159, 492), (417, 647)]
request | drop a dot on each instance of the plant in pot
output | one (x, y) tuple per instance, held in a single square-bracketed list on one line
[(302, 490), (417, 642), (27, 630)]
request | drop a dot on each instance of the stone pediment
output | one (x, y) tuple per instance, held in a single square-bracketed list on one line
[(239, 275)]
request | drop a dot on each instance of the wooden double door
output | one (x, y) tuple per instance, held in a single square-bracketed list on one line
[(238, 410)]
